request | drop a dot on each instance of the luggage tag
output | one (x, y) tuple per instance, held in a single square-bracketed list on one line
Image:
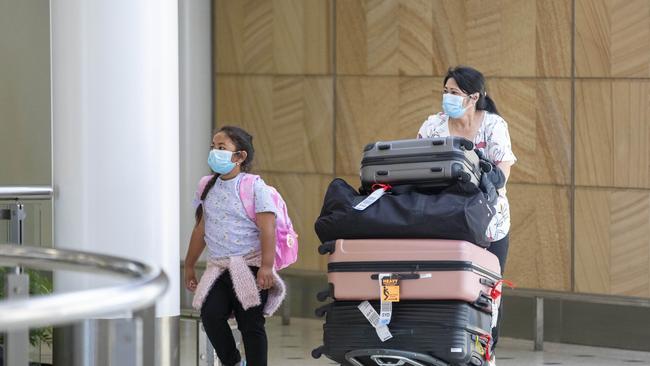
[(380, 190), (389, 293), (369, 312), (390, 288)]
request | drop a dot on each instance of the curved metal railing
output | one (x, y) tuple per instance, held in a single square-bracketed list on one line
[(146, 285)]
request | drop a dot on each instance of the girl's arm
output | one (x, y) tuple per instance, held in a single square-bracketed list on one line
[(266, 224), (197, 244)]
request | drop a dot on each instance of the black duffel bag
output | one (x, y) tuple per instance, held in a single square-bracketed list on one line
[(405, 213)]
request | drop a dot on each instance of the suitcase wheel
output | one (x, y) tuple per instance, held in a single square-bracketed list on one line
[(323, 295), (317, 352), (326, 248), (466, 144), (464, 177), (369, 147), (321, 311), (485, 166), (476, 361), (458, 173), (483, 302)]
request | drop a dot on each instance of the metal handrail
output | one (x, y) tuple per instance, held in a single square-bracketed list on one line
[(579, 297), (149, 282), (26, 192)]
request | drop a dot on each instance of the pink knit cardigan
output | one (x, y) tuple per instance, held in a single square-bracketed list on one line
[(243, 281)]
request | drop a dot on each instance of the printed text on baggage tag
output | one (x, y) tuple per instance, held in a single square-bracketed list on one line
[(369, 313)]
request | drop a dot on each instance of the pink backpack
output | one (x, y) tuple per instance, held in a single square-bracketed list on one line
[(286, 239)]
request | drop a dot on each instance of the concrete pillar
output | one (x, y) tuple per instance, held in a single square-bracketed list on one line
[(196, 121), (115, 111)]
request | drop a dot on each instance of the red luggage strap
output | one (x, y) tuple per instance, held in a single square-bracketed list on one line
[(378, 191), (494, 293), (385, 187)]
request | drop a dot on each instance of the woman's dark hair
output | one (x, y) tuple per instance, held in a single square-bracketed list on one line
[(243, 142), (471, 81)]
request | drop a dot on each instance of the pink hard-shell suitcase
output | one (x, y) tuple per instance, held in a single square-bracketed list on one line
[(428, 269)]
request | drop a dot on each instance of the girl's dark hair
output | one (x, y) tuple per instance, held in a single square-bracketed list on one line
[(243, 142), (471, 81)]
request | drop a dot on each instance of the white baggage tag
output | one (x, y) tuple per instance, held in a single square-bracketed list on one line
[(383, 333), (369, 312), (495, 314), (386, 307), (372, 198)]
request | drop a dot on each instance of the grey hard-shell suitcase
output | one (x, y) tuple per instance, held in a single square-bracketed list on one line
[(432, 162)]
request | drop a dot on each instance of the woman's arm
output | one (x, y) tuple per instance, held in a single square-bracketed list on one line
[(266, 224), (197, 244), (505, 168)]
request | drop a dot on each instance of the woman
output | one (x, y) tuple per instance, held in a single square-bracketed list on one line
[(469, 112)]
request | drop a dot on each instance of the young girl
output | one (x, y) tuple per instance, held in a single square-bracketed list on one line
[(239, 278)]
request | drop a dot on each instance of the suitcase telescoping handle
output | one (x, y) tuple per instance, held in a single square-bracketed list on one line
[(399, 276)]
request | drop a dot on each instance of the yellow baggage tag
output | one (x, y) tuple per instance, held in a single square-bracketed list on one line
[(390, 289)]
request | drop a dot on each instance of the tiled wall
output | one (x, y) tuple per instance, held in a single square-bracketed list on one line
[(315, 80), (612, 153)]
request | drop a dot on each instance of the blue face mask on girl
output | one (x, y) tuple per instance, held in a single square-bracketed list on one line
[(220, 161), (452, 105)]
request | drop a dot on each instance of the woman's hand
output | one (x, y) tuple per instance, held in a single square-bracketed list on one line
[(265, 277), (190, 279)]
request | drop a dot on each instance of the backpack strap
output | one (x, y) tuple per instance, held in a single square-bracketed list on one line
[(247, 194), (203, 182)]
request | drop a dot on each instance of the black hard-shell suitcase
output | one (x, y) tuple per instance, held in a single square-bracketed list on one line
[(450, 331), (432, 162)]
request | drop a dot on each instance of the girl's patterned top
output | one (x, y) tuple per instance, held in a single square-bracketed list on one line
[(228, 230), (493, 140)]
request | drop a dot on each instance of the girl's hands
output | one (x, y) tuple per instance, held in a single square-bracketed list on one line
[(265, 277), (190, 279)]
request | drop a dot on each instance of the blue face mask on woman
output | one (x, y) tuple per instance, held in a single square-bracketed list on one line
[(220, 161), (452, 105)]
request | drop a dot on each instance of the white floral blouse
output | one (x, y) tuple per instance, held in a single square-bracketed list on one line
[(493, 140)]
